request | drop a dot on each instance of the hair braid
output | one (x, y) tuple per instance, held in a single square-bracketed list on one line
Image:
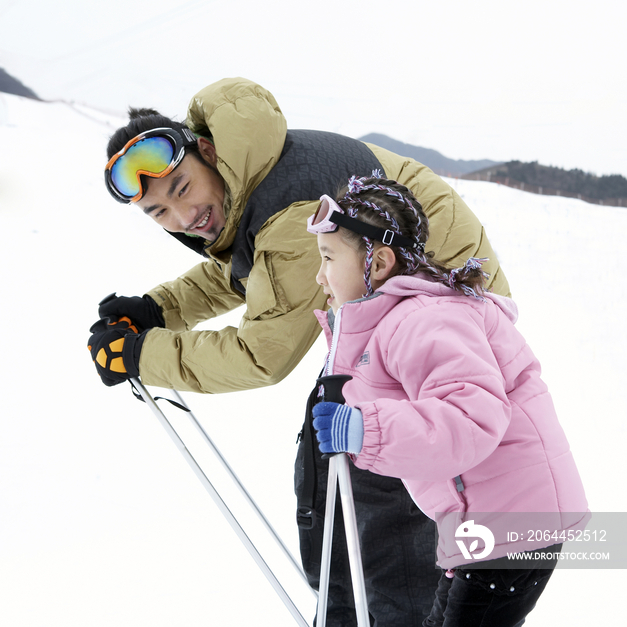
[(388, 204)]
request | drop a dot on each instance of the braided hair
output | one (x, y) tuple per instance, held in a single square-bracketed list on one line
[(389, 205)]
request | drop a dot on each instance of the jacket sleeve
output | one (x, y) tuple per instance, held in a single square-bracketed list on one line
[(276, 330), (457, 409), (455, 233), (202, 293)]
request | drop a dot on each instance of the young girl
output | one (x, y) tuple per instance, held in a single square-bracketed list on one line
[(446, 395)]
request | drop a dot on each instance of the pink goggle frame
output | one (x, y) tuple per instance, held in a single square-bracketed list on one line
[(320, 222)]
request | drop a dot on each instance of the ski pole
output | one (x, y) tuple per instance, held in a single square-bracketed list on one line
[(339, 472), (327, 538), (352, 538), (244, 492), (289, 604)]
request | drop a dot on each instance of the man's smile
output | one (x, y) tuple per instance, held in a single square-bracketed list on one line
[(202, 222)]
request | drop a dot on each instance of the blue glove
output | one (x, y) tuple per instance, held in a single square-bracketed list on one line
[(340, 428)]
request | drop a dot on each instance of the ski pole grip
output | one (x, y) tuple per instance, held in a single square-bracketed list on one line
[(333, 385)]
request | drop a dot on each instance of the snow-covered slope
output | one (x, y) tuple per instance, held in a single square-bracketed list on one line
[(101, 521)]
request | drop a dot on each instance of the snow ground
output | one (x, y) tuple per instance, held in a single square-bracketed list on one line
[(101, 521)]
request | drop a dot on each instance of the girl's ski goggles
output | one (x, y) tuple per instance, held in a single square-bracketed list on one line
[(329, 216), (323, 221), (154, 153)]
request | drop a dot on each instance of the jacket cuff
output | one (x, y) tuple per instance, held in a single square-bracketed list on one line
[(131, 352), (156, 317), (371, 447), (169, 311)]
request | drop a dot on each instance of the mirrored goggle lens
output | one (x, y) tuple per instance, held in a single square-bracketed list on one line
[(152, 155), (321, 213)]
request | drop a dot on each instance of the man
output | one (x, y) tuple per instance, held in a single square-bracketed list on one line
[(239, 191)]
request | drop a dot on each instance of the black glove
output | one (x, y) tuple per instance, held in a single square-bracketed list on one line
[(115, 347), (142, 310)]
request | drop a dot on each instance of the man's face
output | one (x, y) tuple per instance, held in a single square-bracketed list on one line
[(189, 199)]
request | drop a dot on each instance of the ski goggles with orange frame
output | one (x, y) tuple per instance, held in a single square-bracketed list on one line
[(154, 153), (330, 216)]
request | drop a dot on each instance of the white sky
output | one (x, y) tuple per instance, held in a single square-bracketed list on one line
[(542, 80)]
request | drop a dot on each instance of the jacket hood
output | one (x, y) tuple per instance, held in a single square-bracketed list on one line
[(248, 130), (404, 286)]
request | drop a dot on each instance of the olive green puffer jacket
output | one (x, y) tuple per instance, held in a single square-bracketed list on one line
[(278, 327)]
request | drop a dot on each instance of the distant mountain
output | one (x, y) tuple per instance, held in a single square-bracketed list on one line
[(10, 85), (549, 180), (530, 177), (432, 158)]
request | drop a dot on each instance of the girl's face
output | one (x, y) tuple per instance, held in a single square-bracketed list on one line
[(341, 272)]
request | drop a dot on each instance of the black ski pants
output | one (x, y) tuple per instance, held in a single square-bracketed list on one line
[(397, 546), (487, 597)]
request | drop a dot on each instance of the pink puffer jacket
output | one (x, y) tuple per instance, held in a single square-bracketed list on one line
[(453, 404)]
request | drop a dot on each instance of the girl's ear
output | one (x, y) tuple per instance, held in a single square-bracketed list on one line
[(383, 264)]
